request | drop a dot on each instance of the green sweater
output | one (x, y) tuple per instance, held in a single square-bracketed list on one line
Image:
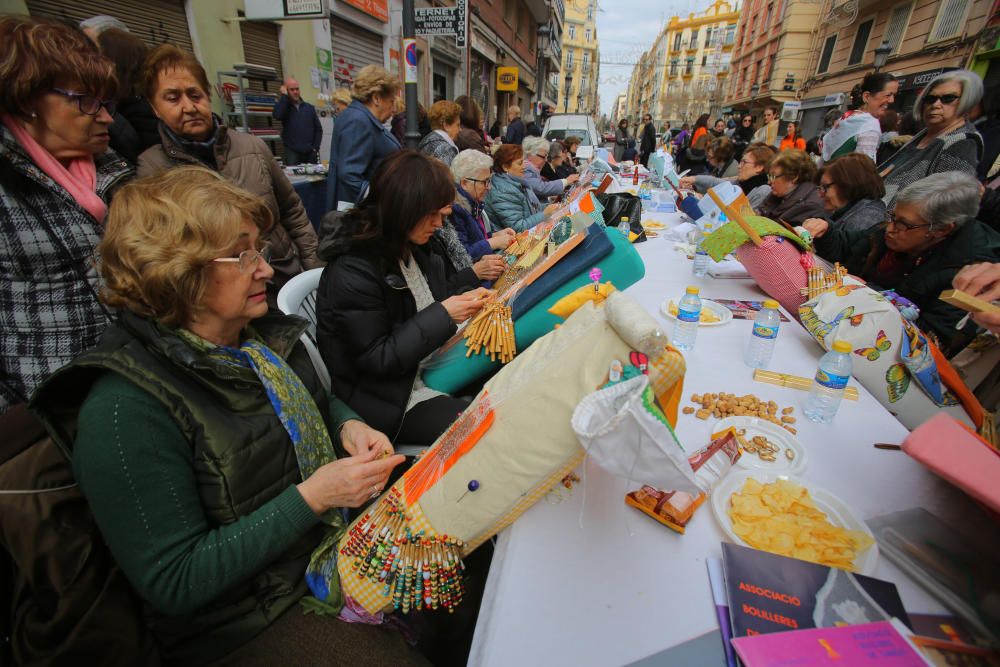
[(136, 469)]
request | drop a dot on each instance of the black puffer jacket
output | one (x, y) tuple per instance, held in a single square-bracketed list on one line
[(369, 331)]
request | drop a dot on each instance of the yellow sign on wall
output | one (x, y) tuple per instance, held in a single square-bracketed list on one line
[(507, 79)]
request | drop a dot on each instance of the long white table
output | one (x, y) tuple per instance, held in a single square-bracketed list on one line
[(590, 581)]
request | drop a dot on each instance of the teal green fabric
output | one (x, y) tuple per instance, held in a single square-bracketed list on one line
[(453, 370), (198, 548)]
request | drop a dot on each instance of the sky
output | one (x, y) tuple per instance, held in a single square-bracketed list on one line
[(626, 28)]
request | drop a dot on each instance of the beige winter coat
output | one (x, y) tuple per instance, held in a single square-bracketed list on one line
[(247, 162)]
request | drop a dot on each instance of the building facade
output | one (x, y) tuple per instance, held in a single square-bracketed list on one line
[(581, 64), (772, 53), (692, 58), (926, 37)]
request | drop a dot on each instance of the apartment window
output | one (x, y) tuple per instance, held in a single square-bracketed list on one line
[(708, 37), (677, 41), (510, 12), (704, 60), (590, 11), (827, 54), (674, 64), (861, 42), (693, 44), (730, 34), (770, 69), (767, 19), (586, 62), (949, 20), (896, 27), (745, 78), (587, 33), (569, 58), (689, 66), (572, 31)]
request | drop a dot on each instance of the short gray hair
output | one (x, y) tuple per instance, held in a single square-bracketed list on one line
[(972, 91), (534, 145), (468, 162), (103, 22), (555, 150), (945, 198)]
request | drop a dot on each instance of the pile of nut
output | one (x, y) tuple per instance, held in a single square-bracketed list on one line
[(762, 447), (730, 405)]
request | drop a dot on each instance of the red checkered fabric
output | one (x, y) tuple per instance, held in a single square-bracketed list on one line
[(777, 267)]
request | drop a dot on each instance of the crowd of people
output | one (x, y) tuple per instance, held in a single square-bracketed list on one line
[(143, 249)]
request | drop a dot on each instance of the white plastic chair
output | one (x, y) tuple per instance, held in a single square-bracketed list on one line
[(298, 297)]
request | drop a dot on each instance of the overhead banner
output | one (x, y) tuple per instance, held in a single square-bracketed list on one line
[(507, 79), (444, 21)]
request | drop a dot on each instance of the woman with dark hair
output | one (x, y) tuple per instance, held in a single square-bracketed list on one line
[(384, 302), (743, 134), (569, 165), (852, 193), (622, 139), (135, 128), (750, 172), (792, 139), (794, 197), (700, 128), (694, 158), (859, 129), (471, 134)]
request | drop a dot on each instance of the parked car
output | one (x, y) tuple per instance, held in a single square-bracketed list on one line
[(562, 125)]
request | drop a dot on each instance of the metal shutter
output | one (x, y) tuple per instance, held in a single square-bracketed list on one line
[(949, 20), (155, 21), (353, 48)]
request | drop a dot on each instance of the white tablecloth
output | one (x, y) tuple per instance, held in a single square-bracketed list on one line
[(590, 581)]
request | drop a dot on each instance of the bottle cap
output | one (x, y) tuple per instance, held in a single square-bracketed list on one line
[(771, 303), (624, 218), (692, 290), (842, 346)]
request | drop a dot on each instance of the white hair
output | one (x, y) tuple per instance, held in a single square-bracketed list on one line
[(103, 22), (944, 198), (535, 145), (972, 91), (468, 162)]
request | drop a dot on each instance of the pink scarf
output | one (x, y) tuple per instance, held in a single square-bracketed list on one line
[(80, 180)]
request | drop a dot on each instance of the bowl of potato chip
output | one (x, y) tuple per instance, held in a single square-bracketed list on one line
[(786, 516), (712, 314)]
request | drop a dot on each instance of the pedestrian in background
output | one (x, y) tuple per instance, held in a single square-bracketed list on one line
[(768, 133), (301, 132), (647, 140), (621, 139), (515, 127), (859, 129)]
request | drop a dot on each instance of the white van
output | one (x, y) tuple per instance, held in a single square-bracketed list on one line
[(562, 125)]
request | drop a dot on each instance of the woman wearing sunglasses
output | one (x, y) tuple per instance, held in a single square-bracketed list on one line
[(929, 236), (948, 142)]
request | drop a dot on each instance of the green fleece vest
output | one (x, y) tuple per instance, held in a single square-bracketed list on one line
[(242, 456)]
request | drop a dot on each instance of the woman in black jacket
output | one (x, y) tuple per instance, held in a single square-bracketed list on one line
[(386, 300)]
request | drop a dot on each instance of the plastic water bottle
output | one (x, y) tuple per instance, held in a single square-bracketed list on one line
[(828, 386), (765, 333), (624, 226), (700, 266), (645, 190), (688, 315)]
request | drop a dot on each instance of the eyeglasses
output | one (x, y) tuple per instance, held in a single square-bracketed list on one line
[(88, 104), (945, 99), (747, 163), (249, 259), (487, 183), (544, 156), (772, 177), (823, 187), (891, 219), (747, 121)]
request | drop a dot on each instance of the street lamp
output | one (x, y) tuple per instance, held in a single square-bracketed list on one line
[(542, 45), (569, 83), (882, 54), (754, 89)]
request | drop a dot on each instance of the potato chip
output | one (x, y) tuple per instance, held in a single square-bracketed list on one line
[(781, 517), (707, 314)]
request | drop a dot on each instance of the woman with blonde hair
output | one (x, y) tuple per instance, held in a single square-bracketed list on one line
[(213, 460), (360, 139), (445, 119)]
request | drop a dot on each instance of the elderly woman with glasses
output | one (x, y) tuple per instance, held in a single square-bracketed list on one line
[(536, 155), (510, 203), (211, 455), (751, 174), (852, 193), (794, 197), (930, 235), (471, 169), (948, 142)]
